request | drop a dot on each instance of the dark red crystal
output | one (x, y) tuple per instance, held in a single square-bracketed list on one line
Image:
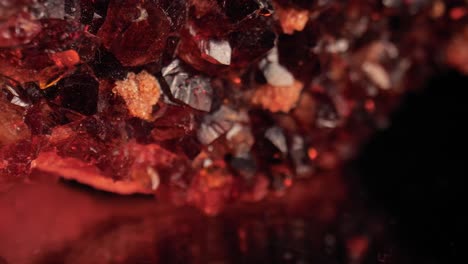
[(135, 31), (208, 101)]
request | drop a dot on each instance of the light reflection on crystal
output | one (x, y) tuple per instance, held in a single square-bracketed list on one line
[(193, 90), (216, 51)]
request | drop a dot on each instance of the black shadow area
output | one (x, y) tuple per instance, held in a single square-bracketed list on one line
[(416, 170)]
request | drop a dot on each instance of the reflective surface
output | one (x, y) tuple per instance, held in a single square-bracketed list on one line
[(63, 222)]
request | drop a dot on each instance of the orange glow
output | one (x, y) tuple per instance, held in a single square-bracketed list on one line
[(68, 58), (312, 153), (288, 182)]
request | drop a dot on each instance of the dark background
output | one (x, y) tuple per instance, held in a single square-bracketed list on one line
[(415, 171)]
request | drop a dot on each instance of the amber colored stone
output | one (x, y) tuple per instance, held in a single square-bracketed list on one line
[(64, 63), (135, 31), (68, 58), (51, 75)]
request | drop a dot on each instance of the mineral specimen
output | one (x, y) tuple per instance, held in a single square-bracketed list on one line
[(208, 101)]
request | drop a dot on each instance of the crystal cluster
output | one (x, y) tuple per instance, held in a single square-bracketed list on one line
[(208, 101)]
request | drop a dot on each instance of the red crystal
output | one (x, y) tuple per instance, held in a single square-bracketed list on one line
[(135, 31), (208, 100)]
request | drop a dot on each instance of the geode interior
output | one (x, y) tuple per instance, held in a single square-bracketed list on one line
[(208, 101)]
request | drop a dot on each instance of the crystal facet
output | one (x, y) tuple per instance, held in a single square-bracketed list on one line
[(135, 31)]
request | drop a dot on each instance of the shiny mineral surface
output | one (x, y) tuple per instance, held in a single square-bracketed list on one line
[(208, 101)]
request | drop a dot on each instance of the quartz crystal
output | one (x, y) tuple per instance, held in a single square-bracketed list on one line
[(208, 101)]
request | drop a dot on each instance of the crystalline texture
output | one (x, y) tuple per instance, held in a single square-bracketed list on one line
[(216, 124), (251, 40), (51, 55), (203, 51), (12, 127), (135, 31), (208, 101), (216, 51), (227, 33), (193, 90)]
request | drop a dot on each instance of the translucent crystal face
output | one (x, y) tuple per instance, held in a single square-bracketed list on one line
[(135, 31), (208, 100)]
